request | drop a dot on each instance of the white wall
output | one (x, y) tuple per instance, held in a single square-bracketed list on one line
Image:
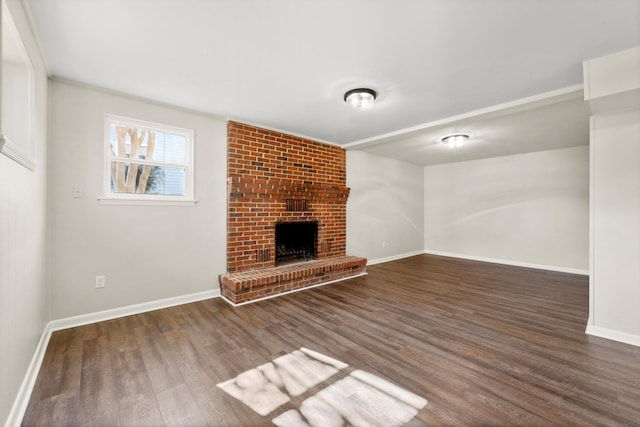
[(616, 232), (614, 101), (146, 252), (24, 287), (530, 209), (385, 207)]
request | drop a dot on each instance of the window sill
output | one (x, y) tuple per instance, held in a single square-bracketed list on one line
[(113, 201)]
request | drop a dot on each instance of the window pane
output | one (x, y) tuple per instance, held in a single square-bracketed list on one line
[(170, 182), (169, 148), (147, 179), (148, 144)]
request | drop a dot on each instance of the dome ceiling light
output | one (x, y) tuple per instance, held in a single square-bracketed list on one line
[(456, 140), (360, 98)]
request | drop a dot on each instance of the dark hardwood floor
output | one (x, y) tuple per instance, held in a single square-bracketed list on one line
[(485, 344)]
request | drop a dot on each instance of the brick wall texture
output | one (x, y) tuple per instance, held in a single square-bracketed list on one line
[(265, 169)]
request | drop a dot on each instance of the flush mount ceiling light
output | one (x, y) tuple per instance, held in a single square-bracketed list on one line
[(360, 98), (457, 140)]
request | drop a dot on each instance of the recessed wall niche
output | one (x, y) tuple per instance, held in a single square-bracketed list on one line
[(16, 103)]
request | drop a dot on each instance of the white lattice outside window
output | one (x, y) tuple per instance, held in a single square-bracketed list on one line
[(147, 163)]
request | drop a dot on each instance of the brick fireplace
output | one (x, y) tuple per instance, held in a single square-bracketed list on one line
[(273, 180)]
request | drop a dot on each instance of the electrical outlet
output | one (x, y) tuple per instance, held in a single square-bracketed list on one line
[(101, 281), (384, 243), (77, 192)]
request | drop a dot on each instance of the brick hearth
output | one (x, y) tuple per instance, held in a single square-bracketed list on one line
[(253, 284), (274, 177)]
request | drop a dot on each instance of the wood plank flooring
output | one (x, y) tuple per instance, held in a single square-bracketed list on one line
[(485, 344)]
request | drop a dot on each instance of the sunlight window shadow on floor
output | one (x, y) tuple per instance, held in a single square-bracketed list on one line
[(360, 398)]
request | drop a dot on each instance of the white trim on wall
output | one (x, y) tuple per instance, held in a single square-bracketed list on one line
[(136, 98), (24, 394), (592, 212), (19, 144), (394, 257), (509, 262), (101, 316), (610, 334)]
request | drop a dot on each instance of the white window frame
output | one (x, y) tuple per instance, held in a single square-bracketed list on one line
[(16, 94), (111, 198)]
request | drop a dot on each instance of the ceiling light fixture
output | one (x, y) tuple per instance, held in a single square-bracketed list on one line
[(360, 98), (457, 140)]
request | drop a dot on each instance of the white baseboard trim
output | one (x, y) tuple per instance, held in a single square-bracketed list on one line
[(364, 273), (24, 393), (22, 399), (509, 262), (611, 334), (100, 316), (394, 257)]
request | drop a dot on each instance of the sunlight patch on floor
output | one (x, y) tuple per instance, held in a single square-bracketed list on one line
[(359, 399), (269, 386)]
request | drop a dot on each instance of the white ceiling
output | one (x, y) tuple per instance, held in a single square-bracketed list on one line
[(551, 121), (286, 64)]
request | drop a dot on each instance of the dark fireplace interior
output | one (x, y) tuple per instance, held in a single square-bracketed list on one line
[(296, 241)]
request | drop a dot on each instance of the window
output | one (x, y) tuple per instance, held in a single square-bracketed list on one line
[(16, 94), (147, 163)]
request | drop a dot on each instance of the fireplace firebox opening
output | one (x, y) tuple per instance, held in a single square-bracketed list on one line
[(296, 241)]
